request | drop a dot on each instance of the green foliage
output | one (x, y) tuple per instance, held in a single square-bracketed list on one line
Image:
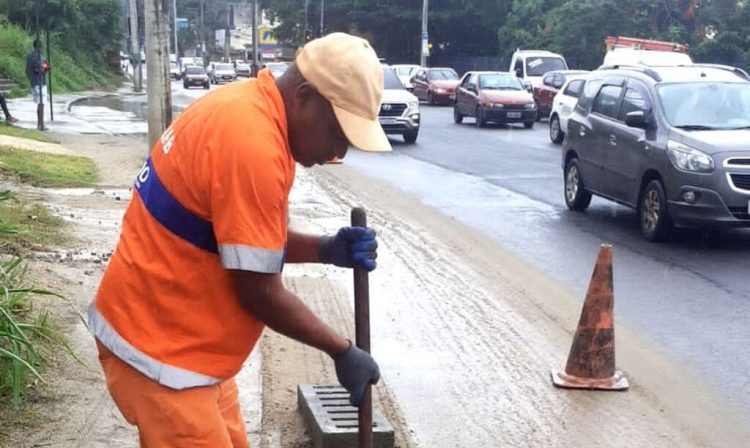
[(717, 31), (25, 336), (81, 32)]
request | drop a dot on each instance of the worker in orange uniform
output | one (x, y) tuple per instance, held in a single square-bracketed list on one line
[(197, 272)]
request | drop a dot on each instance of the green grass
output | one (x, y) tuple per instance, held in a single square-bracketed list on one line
[(28, 226), (26, 336), (47, 170), (31, 134)]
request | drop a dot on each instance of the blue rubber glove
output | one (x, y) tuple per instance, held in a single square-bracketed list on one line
[(356, 369), (349, 247)]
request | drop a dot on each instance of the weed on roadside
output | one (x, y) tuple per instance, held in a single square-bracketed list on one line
[(27, 337)]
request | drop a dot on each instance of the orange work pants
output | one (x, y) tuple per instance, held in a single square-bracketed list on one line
[(199, 417)]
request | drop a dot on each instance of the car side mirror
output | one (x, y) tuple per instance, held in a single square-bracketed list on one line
[(471, 88), (519, 73), (637, 119)]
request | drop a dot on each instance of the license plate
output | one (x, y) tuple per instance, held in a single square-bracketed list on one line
[(514, 114), (387, 121)]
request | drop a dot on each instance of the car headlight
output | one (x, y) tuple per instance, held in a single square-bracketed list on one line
[(439, 90), (530, 106), (413, 106), (689, 159)]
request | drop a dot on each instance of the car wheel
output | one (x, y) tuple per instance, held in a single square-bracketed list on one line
[(457, 117), (480, 119), (653, 213), (185, 86), (576, 196), (555, 133), (411, 136), (528, 124)]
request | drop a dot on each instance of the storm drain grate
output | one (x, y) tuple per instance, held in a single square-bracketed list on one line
[(333, 422)]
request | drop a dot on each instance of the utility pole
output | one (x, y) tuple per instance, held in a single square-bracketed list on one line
[(322, 12), (425, 36), (157, 66), (307, 9), (203, 36), (174, 11), (49, 58), (135, 47), (255, 38), (227, 34)]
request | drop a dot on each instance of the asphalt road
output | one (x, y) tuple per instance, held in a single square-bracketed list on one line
[(690, 297)]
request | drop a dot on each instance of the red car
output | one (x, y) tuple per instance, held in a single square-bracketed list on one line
[(436, 85), (552, 82), (494, 96)]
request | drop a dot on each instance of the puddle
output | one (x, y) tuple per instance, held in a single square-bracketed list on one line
[(132, 107)]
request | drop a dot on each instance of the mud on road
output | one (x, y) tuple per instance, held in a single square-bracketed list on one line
[(465, 334)]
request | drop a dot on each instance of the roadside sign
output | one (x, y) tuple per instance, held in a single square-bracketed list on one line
[(425, 45), (182, 23)]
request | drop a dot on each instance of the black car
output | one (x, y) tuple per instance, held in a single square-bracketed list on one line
[(195, 75), (671, 142)]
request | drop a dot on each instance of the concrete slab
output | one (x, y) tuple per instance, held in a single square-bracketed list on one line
[(333, 422)]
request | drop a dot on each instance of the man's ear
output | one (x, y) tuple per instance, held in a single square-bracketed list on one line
[(304, 92)]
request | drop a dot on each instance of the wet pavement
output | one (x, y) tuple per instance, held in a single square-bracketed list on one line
[(690, 297)]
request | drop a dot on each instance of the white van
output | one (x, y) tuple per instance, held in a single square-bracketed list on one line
[(532, 65), (652, 58)]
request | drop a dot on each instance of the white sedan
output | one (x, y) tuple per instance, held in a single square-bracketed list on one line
[(405, 73), (562, 107)]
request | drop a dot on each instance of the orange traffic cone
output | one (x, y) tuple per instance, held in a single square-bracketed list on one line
[(335, 160), (591, 362)]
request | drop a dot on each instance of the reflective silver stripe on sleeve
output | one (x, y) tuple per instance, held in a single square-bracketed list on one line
[(246, 258), (164, 374)]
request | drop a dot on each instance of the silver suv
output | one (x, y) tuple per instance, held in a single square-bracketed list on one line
[(399, 108), (672, 142)]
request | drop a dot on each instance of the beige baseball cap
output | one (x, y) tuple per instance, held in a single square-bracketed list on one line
[(347, 72)]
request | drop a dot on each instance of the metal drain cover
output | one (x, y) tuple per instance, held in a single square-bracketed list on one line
[(333, 422)]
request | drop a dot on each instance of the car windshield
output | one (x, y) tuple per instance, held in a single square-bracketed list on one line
[(499, 82), (538, 66), (224, 67), (404, 71), (442, 75), (195, 70), (706, 105)]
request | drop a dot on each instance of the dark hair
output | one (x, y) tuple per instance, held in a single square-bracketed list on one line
[(37, 44)]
